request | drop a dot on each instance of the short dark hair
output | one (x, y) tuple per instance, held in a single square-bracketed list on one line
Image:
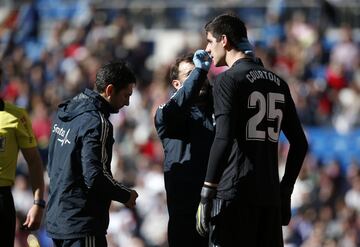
[(227, 24), (174, 70), (116, 73)]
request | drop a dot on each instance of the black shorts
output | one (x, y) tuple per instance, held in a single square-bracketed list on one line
[(236, 224), (8, 217), (88, 241)]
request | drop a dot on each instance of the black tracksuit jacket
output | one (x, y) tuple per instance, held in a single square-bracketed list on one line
[(81, 182), (186, 131)]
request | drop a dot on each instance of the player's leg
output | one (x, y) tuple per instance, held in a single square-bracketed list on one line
[(183, 197), (8, 217), (172, 231)]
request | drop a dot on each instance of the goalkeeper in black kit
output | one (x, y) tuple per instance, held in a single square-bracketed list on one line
[(243, 201)]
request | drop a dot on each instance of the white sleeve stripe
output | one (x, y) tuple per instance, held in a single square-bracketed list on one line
[(104, 134), (104, 156)]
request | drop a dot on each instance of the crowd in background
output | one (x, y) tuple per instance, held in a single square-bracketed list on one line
[(41, 69)]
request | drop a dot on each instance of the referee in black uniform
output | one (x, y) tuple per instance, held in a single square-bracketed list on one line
[(252, 106)]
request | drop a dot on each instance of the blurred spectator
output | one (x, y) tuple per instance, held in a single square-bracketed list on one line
[(352, 196), (27, 23), (346, 52)]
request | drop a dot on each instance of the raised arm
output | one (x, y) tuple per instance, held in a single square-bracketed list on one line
[(172, 114)]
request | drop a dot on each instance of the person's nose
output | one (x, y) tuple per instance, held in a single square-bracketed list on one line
[(207, 49)]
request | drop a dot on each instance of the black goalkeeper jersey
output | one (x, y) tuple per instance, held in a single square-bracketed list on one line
[(254, 105)]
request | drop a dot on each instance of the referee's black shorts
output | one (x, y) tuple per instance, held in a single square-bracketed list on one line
[(237, 224), (7, 217)]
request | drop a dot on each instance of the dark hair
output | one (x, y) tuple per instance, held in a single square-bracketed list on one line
[(174, 70), (229, 25), (116, 73)]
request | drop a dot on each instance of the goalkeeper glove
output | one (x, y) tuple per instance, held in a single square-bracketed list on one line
[(203, 214)]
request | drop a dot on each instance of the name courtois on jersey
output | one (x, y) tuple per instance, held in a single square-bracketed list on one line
[(254, 75)]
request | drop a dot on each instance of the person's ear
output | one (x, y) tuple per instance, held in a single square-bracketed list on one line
[(109, 90), (176, 84), (224, 41)]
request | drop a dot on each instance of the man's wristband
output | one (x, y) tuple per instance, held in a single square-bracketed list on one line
[(212, 185), (41, 203)]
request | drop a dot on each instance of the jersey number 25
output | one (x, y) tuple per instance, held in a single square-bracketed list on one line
[(266, 108)]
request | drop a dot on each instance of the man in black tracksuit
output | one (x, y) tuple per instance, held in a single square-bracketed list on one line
[(185, 127), (80, 151), (252, 105)]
